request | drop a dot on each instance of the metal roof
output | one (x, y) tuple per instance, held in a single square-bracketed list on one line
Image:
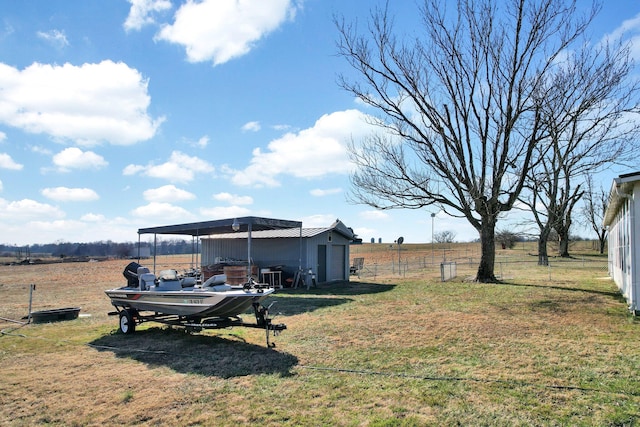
[(224, 226), (620, 190), (272, 234)]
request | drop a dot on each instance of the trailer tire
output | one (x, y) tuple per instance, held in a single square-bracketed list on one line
[(127, 322)]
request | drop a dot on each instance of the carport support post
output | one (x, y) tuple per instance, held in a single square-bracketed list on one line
[(155, 249), (249, 252)]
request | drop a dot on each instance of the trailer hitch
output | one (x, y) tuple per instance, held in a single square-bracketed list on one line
[(264, 321)]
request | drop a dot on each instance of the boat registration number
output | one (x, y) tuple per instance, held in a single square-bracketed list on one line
[(193, 301)]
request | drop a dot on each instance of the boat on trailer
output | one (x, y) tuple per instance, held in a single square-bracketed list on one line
[(181, 301)]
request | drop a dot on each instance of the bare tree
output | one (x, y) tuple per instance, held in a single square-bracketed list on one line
[(446, 236), (593, 210), (507, 238), (585, 109), (459, 115)]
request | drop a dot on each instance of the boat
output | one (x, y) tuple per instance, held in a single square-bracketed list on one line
[(182, 301)]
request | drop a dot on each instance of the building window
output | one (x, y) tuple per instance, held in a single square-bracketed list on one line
[(330, 238)]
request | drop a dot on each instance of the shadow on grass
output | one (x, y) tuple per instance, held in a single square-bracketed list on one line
[(290, 301), (341, 288), (617, 296), (206, 355), (290, 305)]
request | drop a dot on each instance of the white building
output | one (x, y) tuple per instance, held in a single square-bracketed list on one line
[(623, 222)]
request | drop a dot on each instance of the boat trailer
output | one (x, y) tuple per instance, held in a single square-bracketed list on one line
[(130, 317)]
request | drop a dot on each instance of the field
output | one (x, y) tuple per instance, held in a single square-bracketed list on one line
[(395, 347)]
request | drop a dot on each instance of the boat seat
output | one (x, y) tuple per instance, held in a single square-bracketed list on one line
[(217, 279), (221, 288), (188, 282), (146, 280), (168, 285)]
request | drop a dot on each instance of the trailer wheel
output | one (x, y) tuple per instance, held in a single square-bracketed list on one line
[(127, 323)]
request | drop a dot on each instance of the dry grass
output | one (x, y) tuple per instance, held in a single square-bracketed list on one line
[(539, 349)]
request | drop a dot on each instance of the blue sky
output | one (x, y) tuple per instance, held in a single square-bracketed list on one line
[(117, 115)]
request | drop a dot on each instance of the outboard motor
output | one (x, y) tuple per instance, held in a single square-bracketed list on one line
[(131, 274)]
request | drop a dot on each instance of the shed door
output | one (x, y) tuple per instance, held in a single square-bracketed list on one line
[(322, 263), (337, 262)]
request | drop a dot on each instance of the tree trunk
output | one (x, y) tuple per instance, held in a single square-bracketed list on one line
[(563, 247), (488, 252), (602, 237), (543, 256)]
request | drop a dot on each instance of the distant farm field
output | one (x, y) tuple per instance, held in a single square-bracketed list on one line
[(395, 347)]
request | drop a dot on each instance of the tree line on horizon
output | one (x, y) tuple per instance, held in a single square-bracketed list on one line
[(95, 249)]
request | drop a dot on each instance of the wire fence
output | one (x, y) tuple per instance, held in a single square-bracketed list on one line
[(464, 264)]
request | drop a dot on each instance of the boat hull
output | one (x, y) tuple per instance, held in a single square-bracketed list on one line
[(190, 303)]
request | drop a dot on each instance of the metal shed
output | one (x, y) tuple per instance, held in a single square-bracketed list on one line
[(622, 221), (319, 252), (245, 226)]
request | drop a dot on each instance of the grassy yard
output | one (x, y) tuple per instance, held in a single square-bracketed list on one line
[(542, 348)]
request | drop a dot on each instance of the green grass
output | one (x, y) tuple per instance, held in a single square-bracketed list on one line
[(395, 352)]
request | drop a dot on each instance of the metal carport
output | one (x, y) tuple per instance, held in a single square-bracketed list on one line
[(223, 226)]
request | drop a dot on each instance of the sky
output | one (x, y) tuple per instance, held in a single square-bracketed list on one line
[(117, 115)]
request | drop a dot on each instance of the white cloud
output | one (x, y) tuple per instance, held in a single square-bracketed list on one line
[(374, 215), (233, 199), (88, 104), (27, 209), (133, 169), (40, 150), (3, 136), (224, 212), (628, 31), (203, 142), (142, 13), (165, 212), (220, 30), (251, 127), (318, 192), (631, 25), (1, 186), (74, 158), (56, 38), (167, 193), (6, 162), (64, 194), (319, 220), (91, 217), (317, 151), (179, 168)]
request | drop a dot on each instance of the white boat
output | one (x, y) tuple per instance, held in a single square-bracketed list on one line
[(180, 301), (170, 294)]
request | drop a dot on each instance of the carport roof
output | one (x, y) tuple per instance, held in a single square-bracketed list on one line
[(223, 226)]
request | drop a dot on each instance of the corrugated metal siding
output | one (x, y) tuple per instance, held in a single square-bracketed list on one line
[(268, 252), (337, 270), (265, 252)]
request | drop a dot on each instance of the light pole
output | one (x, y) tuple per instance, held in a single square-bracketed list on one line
[(433, 215)]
